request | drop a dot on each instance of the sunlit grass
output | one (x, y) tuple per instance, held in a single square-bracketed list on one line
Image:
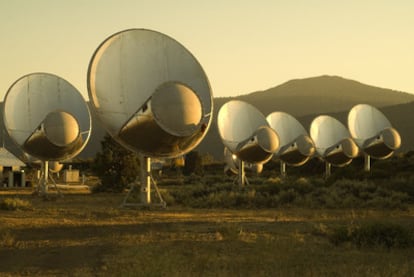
[(12, 204), (89, 235)]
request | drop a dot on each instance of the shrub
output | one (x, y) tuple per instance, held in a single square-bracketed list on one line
[(221, 192), (379, 234), (168, 198), (339, 235), (6, 238), (12, 204), (402, 184), (288, 196), (382, 234), (115, 166), (193, 163)]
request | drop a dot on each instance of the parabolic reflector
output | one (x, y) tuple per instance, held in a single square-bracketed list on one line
[(372, 131), (296, 147), (332, 141), (150, 93), (246, 133), (232, 164), (46, 116)]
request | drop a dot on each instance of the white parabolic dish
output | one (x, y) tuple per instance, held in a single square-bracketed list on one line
[(327, 131), (286, 126), (372, 131), (150, 93), (245, 131), (46, 116), (365, 121), (332, 140), (296, 147)]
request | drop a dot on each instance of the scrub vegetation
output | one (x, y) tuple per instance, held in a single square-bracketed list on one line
[(12, 204), (351, 224), (90, 235)]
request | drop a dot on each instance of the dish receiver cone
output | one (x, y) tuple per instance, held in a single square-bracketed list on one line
[(150, 93), (332, 140), (47, 117), (372, 131)]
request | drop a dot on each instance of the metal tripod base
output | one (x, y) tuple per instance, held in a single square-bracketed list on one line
[(43, 183), (147, 181)]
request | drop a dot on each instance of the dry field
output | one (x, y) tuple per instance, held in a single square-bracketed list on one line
[(90, 235)]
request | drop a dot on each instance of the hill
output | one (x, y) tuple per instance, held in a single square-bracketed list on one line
[(324, 94), (332, 95)]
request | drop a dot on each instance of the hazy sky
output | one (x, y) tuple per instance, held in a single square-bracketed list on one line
[(243, 46)]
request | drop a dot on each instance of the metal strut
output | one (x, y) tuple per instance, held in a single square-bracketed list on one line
[(43, 183), (283, 173), (241, 175), (367, 163), (327, 170), (145, 188)]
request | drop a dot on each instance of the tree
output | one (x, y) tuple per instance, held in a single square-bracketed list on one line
[(115, 166), (193, 163)]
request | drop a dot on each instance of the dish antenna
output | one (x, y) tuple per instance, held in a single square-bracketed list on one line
[(151, 95), (296, 147), (373, 133), (232, 165), (48, 118), (246, 133), (333, 142)]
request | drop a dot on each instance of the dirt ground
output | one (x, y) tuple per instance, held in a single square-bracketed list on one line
[(83, 234), (73, 234)]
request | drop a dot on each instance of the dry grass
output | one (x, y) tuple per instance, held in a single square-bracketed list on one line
[(89, 235)]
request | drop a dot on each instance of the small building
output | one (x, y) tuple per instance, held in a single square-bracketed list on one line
[(11, 173), (71, 175)]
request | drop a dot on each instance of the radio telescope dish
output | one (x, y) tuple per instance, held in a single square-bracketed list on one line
[(373, 132), (296, 147), (232, 164), (47, 117), (333, 141), (246, 133), (150, 93)]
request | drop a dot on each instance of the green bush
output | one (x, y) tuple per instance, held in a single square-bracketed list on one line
[(383, 235), (115, 166), (378, 234), (7, 239), (12, 204), (339, 235), (208, 192), (401, 184), (193, 163)]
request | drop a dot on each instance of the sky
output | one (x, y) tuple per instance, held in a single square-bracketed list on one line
[(243, 46)]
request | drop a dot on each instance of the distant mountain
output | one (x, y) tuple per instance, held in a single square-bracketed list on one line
[(324, 94), (307, 98), (303, 98)]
